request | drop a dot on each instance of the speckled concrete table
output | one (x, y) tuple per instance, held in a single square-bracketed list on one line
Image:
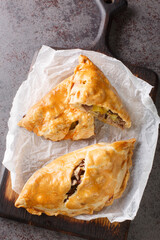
[(135, 37)]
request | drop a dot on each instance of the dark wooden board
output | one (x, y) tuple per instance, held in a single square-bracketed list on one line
[(95, 229)]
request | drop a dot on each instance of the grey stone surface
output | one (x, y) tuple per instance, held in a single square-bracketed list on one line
[(134, 37)]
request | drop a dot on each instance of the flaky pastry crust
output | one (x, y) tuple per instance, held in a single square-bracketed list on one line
[(52, 117), (91, 87), (104, 179)]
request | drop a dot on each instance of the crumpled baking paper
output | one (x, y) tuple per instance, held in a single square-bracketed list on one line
[(26, 152)]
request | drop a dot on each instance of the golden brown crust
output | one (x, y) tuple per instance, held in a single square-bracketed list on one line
[(52, 116), (91, 87), (105, 178)]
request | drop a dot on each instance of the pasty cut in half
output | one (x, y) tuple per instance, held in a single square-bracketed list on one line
[(92, 91), (79, 182), (53, 118)]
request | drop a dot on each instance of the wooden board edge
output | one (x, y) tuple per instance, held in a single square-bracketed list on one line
[(94, 229)]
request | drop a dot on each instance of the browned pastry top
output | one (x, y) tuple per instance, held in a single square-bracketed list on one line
[(79, 182), (91, 87), (55, 119)]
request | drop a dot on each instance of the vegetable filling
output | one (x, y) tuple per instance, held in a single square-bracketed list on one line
[(105, 115), (76, 178)]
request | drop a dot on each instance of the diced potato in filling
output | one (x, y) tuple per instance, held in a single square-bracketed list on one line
[(96, 108)]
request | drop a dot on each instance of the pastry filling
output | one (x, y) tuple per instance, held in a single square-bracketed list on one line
[(105, 115), (76, 178), (73, 125)]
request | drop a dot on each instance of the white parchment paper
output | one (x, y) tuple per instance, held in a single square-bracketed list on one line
[(26, 152)]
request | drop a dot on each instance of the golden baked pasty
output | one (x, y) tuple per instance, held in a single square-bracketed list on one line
[(92, 91), (53, 118), (79, 182)]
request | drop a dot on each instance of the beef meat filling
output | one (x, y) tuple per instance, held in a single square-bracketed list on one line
[(120, 122), (116, 119), (76, 178), (73, 125), (87, 108), (112, 118), (104, 114)]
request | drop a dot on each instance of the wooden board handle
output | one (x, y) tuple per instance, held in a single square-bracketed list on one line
[(107, 8)]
